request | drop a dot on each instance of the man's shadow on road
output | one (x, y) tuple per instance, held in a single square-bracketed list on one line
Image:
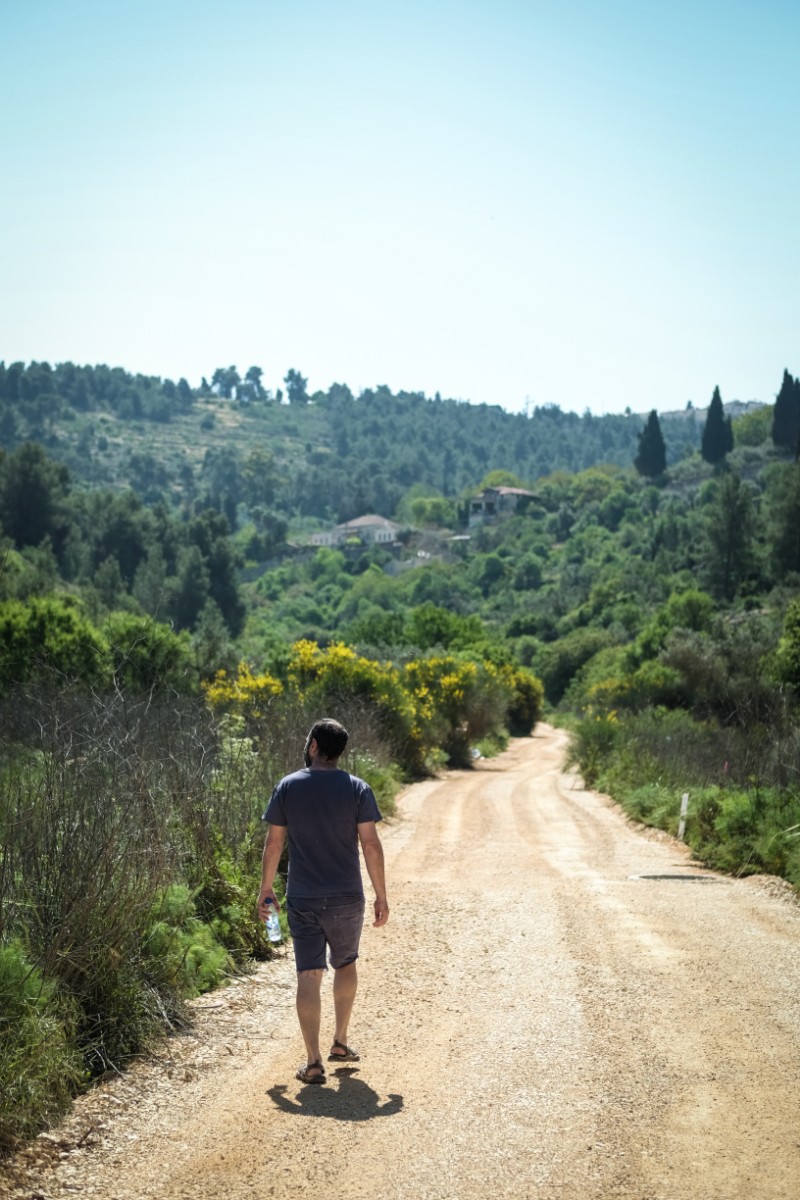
[(353, 1100)]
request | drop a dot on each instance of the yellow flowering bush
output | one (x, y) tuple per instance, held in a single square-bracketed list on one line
[(527, 700), (245, 694), (444, 702), (458, 701), (330, 679)]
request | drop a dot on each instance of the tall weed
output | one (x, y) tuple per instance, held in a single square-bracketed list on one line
[(91, 833), (39, 1066)]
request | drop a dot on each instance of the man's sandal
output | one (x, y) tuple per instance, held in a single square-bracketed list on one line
[(303, 1073), (348, 1056)]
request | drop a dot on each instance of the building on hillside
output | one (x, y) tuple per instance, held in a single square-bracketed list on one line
[(731, 408), (495, 502), (370, 529)]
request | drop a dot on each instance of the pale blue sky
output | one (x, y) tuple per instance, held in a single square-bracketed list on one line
[(589, 204)]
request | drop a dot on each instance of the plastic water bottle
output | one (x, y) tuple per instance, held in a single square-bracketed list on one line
[(273, 924)]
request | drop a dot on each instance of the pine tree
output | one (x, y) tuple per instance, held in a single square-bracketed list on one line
[(651, 458), (717, 439), (786, 416)]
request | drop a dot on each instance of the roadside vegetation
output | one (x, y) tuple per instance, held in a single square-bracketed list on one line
[(130, 825), (168, 633)]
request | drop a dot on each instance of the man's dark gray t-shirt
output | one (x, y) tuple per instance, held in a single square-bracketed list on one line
[(321, 810)]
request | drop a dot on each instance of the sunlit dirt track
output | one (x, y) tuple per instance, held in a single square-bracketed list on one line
[(562, 1005)]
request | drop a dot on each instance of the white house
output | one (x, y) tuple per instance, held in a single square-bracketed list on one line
[(371, 530)]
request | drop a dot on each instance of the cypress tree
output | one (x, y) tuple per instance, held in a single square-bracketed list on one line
[(786, 415), (651, 458), (717, 437)]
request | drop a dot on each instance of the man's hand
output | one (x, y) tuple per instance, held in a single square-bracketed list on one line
[(269, 865), (373, 857), (381, 911), (264, 899)]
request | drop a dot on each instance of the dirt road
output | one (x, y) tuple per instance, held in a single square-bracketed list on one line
[(561, 1006)]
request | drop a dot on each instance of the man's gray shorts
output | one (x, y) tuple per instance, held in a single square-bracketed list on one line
[(314, 922)]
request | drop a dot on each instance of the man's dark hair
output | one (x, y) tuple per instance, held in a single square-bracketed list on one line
[(330, 736)]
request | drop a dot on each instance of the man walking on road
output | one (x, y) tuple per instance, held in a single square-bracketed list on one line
[(327, 813)]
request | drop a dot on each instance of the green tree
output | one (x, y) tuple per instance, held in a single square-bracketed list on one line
[(150, 586), (729, 536), (42, 411), (220, 475), (184, 393), (251, 388), (428, 627), (557, 663), (486, 571), (191, 588), (717, 438), (209, 533), (12, 376), (753, 428), (651, 457), (33, 494), (377, 629), (29, 572), (499, 478), (213, 648), (47, 635), (8, 426), (146, 655), (786, 414), (432, 511), (296, 387), (108, 585), (691, 609), (259, 478), (784, 500), (328, 566), (225, 380), (527, 573), (264, 535), (121, 528)]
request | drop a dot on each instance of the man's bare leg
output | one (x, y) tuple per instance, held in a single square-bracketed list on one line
[(309, 1006), (345, 983)]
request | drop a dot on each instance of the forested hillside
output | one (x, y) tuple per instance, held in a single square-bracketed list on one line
[(330, 455), (193, 507)]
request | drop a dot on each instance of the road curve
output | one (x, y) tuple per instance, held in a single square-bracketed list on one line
[(563, 1005)]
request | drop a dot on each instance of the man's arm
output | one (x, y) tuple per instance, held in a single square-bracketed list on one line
[(373, 857), (269, 865)]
